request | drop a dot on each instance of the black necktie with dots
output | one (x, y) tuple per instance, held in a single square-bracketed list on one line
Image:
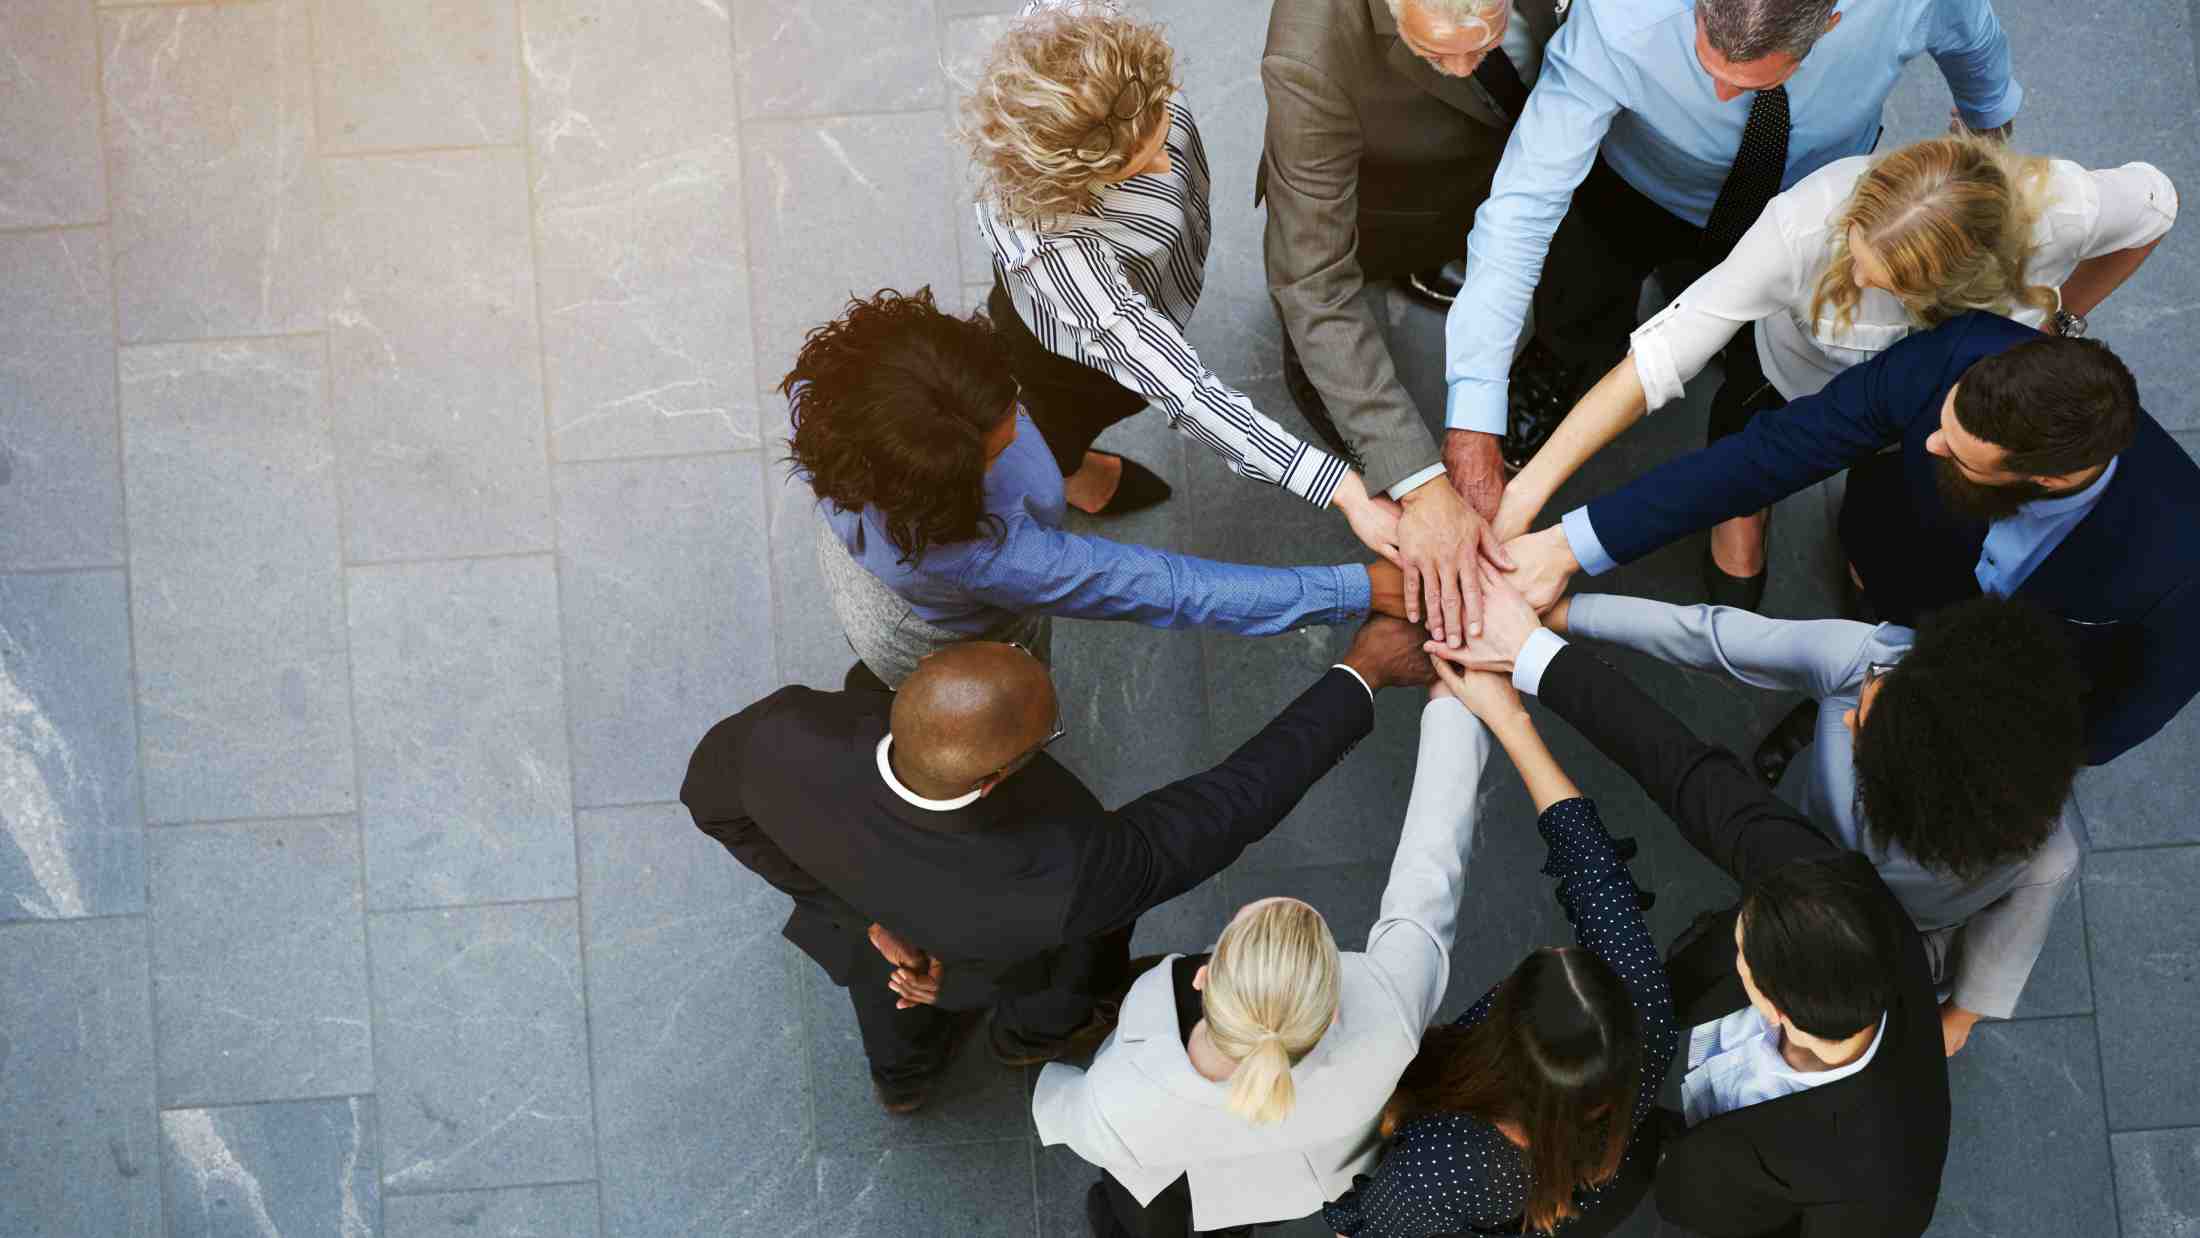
[(1755, 176)]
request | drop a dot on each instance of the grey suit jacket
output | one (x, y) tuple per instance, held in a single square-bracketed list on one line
[(1350, 105), (1983, 935)]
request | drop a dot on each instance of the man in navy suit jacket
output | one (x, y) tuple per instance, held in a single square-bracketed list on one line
[(2025, 467)]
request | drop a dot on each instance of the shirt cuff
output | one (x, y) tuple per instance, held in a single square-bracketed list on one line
[(1355, 592), (1339, 666), (1416, 481), (2000, 113), (1314, 475), (1581, 538), (1534, 658), (1475, 404)]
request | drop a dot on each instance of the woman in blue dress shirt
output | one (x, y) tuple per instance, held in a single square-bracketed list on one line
[(943, 507), (1522, 1115)]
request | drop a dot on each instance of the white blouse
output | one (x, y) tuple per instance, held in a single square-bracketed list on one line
[(1774, 269)]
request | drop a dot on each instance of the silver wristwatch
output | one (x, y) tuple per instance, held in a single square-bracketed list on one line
[(2068, 325)]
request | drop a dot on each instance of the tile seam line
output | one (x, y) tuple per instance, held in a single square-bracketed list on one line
[(257, 1102), (530, 173), (51, 229), (547, 900), (2100, 1056)]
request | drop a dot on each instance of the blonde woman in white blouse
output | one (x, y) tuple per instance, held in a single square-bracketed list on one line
[(1850, 260)]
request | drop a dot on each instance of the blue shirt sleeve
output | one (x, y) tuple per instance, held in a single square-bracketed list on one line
[(1545, 160), (1968, 43), (1033, 568)]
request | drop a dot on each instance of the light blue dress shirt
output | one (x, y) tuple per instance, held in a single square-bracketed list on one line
[(1036, 567), (1623, 75), (2015, 547)]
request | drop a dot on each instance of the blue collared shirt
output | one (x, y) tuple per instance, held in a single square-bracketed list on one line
[(2017, 545), (1623, 75), (1035, 566)]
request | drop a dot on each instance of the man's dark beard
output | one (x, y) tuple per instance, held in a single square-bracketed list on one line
[(1985, 504)]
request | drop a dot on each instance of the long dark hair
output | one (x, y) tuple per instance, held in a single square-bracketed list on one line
[(891, 403), (1560, 1055)]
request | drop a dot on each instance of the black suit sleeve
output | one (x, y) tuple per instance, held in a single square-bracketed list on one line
[(2168, 676), (1721, 808), (712, 794), (1167, 841)]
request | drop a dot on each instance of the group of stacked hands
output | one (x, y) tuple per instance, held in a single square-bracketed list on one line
[(2023, 551)]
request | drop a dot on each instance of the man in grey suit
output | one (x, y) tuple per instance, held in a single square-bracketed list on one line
[(1386, 121)]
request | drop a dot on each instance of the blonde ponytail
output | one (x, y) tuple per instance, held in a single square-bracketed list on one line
[(1272, 989)]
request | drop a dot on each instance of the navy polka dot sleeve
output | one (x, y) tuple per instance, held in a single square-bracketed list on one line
[(1445, 1173)]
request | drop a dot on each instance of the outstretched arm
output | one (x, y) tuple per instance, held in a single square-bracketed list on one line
[(1412, 938)]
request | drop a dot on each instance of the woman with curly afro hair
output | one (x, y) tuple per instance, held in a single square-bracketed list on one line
[(943, 511), (1945, 754)]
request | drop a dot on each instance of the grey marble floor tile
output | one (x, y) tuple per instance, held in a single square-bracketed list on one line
[(978, 1190), (306, 1168), (54, 175), (2027, 1153), (237, 597), (2144, 797), (807, 639), (480, 1047), (436, 380), (567, 1211), (2158, 1182), (1186, 924), (696, 1019), (2145, 944), (76, 1094), (214, 191), (840, 208), (416, 73), (465, 787), (60, 479), (1347, 895), (978, 1099), (807, 57), (667, 615), (259, 962), (2062, 981), (71, 841), (966, 43), (638, 208)]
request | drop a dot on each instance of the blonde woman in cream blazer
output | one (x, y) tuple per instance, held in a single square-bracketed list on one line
[(1146, 1116)]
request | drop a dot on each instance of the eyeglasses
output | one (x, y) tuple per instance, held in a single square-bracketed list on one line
[(1101, 141)]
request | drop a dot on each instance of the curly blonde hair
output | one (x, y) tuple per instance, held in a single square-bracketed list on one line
[(1048, 83), (1951, 217)]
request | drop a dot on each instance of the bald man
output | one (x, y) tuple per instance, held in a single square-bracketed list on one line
[(934, 817)]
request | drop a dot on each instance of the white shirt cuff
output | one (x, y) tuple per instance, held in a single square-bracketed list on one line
[(1475, 404), (1339, 666), (1581, 538), (1415, 481), (1534, 658)]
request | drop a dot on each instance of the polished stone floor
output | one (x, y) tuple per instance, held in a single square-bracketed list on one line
[(390, 495)]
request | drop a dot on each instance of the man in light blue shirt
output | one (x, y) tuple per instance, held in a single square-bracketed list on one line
[(1643, 107)]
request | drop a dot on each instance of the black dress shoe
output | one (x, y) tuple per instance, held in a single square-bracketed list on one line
[(1311, 406), (1437, 286), (1787, 738), (1138, 490), (1721, 589), (1539, 395)]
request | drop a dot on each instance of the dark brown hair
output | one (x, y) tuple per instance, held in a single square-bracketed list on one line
[(2054, 405), (1560, 1054), (891, 403)]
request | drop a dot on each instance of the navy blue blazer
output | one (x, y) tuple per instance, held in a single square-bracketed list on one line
[(2126, 581)]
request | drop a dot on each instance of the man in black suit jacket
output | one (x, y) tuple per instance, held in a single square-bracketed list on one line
[(1987, 415), (1859, 1153), (931, 822)]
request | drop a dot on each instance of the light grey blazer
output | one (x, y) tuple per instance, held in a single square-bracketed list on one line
[(1984, 935), (1143, 1114)]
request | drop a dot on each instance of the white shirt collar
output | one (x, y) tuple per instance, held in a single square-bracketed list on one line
[(1736, 1062), (886, 771)]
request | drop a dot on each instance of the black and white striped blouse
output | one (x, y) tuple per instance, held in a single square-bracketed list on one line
[(1112, 287)]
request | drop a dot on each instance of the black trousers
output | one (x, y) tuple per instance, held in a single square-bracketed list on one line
[(1168, 1216), (904, 1045), (1070, 403)]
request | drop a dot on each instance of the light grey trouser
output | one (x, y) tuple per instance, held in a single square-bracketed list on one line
[(887, 634)]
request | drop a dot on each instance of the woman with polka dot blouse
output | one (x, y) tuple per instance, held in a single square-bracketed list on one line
[(1522, 1115)]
